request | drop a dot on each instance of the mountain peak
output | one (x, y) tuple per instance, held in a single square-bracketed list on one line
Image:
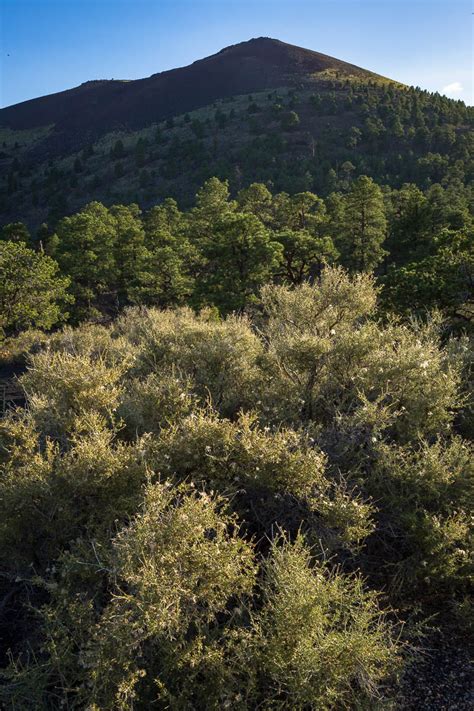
[(264, 41), (88, 111), (288, 58)]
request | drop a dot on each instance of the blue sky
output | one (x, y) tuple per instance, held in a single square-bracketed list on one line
[(51, 45)]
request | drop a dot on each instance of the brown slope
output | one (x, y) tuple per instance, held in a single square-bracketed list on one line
[(87, 111)]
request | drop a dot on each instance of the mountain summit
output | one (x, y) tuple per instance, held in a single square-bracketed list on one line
[(95, 107)]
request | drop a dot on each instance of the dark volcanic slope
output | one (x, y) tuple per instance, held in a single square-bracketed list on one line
[(95, 107)]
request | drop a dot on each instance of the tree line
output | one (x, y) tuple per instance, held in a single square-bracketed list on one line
[(223, 250), (313, 137)]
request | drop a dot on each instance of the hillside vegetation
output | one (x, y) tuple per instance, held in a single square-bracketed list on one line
[(296, 130), (222, 251)]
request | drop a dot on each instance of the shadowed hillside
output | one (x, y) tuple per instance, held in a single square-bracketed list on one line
[(87, 111), (261, 111)]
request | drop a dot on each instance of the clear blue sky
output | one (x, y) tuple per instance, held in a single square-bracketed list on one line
[(50, 45)]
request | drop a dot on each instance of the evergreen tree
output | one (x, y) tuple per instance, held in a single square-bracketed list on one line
[(118, 150), (129, 249), (15, 232), (256, 199), (85, 252), (240, 257), (32, 292), (363, 228), (303, 255), (290, 121)]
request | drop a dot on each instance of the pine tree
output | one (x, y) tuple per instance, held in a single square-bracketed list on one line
[(364, 226)]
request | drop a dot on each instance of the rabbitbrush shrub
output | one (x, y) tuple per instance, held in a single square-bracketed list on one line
[(206, 513)]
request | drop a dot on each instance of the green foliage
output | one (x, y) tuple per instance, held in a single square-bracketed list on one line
[(257, 200), (32, 292), (290, 120), (319, 640), (80, 492), (118, 151), (303, 255), (64, 390), (221, 252), (166, 277), (130, 251), (15, 232), (238, 259), (188, 502), (362, 229), (219, 357), (85, 252), (197, 128), (444, 279), (425, 495)]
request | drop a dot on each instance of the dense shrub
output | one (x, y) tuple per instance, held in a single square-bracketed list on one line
[(220, 357), (335, 367), (188, 503), (425, 496), (281, 466), (63, 390), (173, 574), (88, 488), (156, 401), (319, 640)]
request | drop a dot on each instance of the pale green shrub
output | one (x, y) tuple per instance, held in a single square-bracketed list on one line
[(300, 331), (125, 431), (425, 497), (336, 301), (220, 357), (156, 401), (319, 640), (174, 573), (241, 457), (181, 630), (183, 559), (17, 348), (460, 352), (335, 367), (83, 491), (410, 370), (62, 388), (96, 342)]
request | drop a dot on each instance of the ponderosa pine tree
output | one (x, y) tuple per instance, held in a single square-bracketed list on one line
[(212, 203), (256, 199), (303, 255), (15, 232), (408, 223), (130, 252), (239, 257), (364, 226), (32, 292), (85, 252)]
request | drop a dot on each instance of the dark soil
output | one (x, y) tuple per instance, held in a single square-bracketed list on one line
[(440, 679)]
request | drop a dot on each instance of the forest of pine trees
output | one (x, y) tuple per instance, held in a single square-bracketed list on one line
[(222, 251)]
